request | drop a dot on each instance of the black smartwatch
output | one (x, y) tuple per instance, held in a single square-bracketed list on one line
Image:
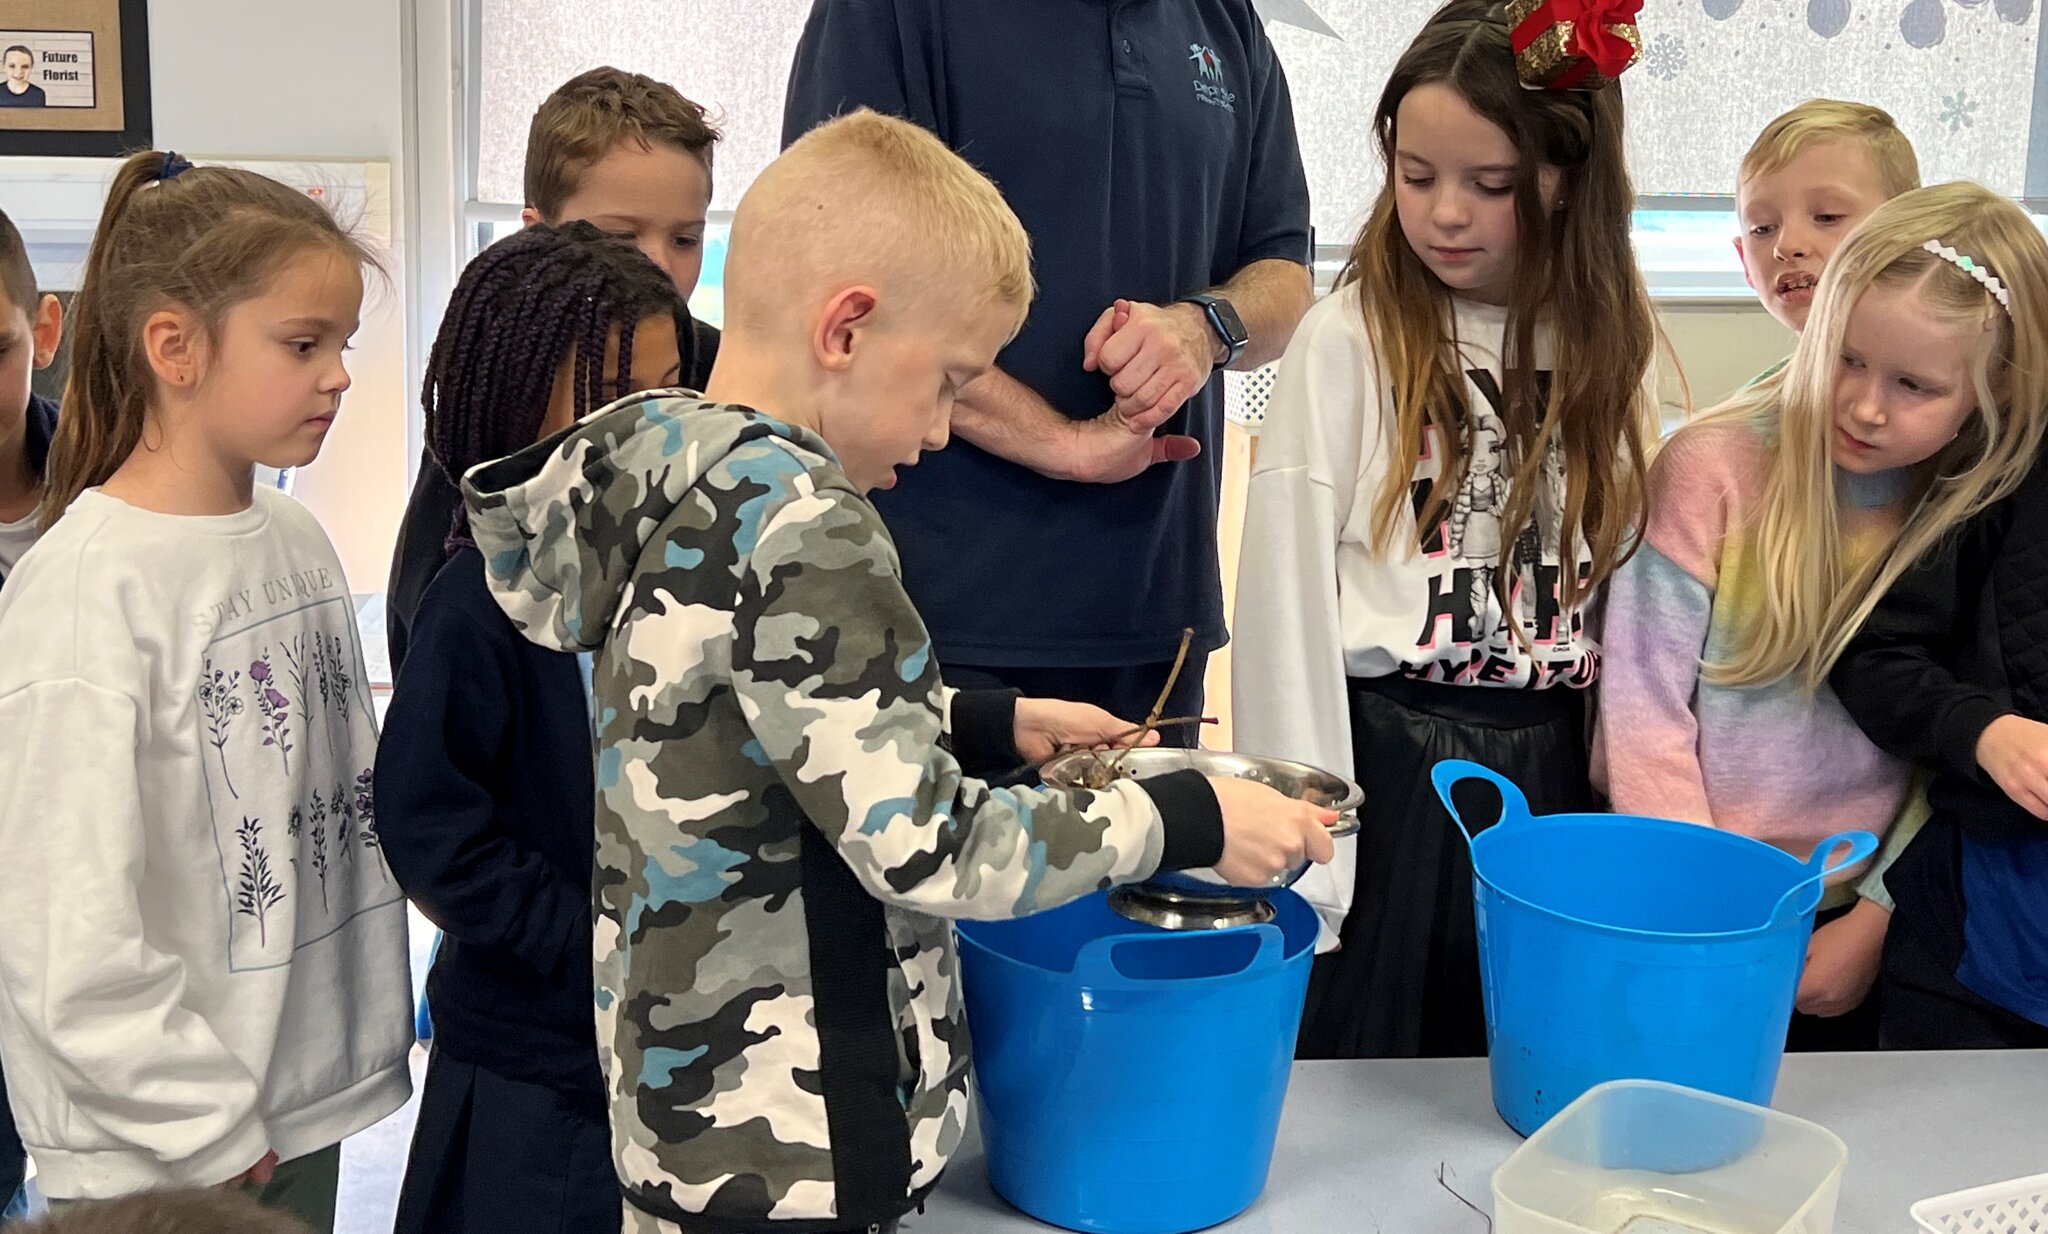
[(1223, 319)]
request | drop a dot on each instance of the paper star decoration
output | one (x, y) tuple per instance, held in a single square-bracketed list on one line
[(1295, 13)]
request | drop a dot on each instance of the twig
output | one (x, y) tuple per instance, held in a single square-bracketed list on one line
[(1138, 733), (1180, 658), (1441, 1169), (1102, 772)]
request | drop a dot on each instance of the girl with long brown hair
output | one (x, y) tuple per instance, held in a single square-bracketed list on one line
[(203, 955), (1450, 469)]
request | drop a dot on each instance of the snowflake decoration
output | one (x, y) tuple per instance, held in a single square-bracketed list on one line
[(1665, 56), (1956, 111), (1295, 13)]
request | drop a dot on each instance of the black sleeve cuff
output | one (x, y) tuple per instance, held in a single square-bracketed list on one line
[(1960, 731), (1193, 817), (984, 730)]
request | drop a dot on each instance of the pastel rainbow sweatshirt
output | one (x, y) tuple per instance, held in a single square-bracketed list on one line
[(1774, 762)]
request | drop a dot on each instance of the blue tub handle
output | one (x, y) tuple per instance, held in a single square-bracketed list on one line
[(1514, 807), (1861, 845), (1096, 964)]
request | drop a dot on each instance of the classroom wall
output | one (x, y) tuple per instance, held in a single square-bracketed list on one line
[(311, 79)]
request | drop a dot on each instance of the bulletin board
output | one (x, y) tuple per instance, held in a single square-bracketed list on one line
[(74, 77)]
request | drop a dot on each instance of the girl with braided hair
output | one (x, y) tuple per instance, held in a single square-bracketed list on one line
[(547, 287), (484, 789)]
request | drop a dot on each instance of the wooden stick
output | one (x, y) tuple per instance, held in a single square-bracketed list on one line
[(1180, 658), (1139, 732)]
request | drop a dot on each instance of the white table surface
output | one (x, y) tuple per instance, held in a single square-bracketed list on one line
[(1361, 1143)]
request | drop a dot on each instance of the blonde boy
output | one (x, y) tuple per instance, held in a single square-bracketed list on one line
[(783, 818), (1810, 177)]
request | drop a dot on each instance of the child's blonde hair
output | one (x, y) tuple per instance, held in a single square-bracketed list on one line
[(1575, 276), (204, 239), (1821, 120), (868, 197), (1815, 597)]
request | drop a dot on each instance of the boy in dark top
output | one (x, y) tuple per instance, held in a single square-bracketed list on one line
[(632, 156), (30, 325), (484, 782)]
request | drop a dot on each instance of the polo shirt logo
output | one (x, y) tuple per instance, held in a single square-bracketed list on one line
[(1209, 85)]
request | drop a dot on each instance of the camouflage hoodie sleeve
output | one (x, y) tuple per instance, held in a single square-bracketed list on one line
[(834, 672)]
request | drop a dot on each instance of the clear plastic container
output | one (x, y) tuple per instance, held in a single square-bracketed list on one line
[(1641, 1157)]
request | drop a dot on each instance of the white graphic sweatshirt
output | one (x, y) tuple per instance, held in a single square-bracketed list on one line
[(202, 954), (1317, 603)]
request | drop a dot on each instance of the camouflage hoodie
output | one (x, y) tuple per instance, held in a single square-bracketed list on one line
[(782, 819)]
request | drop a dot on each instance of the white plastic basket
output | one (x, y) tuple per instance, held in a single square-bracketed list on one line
[(2017, 1207)]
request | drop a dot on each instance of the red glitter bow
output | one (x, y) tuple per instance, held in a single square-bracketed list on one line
[(1607, 51)]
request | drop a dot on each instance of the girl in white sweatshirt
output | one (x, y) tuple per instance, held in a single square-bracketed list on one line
[(1450, 467), (202, 955)]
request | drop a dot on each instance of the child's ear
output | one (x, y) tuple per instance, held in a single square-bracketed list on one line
[(845, 316), (174, 342), (1742, 257), (528, 216), (49, 330)]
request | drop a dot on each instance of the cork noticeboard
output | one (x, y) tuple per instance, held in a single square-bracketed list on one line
[(74, 77)]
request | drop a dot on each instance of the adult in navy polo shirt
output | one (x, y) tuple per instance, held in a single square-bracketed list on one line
[(1068, 535)]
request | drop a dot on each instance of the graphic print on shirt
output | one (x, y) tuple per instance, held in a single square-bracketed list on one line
[(1480, 506), (289, 770), (1209, 87), (277, 710), (1464, 551)]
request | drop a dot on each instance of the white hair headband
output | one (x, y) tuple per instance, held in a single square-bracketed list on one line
[(1968, 265)]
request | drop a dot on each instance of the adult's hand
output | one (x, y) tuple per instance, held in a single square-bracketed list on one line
[(1010, 420), (1155, 357), (1110, 449)]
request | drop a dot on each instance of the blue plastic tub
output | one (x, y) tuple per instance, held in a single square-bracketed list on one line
[(1614, 947), (1130, 1078)]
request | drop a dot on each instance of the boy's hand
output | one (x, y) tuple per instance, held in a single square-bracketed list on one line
[(1842, 961), (1046, 727), (2013, 751), (1266, 833), (260, 1173)]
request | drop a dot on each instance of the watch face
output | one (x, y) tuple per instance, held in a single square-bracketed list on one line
[(1228, 324)]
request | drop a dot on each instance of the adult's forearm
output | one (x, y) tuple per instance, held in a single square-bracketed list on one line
[(1270, 296), (1009, 419)]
